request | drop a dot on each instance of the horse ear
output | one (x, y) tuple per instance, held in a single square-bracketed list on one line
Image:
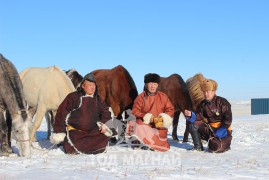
[(31, 112)]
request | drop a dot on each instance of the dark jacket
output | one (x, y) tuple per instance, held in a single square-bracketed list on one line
[(79, 114), (217, 112)]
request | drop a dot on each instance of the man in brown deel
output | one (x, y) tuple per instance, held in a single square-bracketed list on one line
[(212, 120)]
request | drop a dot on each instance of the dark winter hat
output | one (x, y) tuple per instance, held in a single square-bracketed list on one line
[(89, 77), (152, 77)]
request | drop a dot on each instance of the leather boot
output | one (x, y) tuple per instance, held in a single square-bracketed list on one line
[(193, 129)]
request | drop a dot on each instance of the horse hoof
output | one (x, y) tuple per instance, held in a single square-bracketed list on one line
[(4, 153), (175, 138), (113, 141), (6, 149), (9, 150)]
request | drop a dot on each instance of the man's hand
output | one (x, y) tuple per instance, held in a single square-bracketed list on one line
[(103, 128), (151, 119), (190, 116), (187, 113)]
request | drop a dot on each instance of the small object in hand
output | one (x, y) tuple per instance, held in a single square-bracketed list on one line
[(108, 132), (158, 121)]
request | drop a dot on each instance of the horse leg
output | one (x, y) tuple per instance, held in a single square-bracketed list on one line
[(40, 113), (186, 133), (116, 110), (175, 124), (5, 149), (115, 106), (50, 121), (9, 126)]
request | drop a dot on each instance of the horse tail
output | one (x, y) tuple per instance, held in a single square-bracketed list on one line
[(195, 90), (133, 92)]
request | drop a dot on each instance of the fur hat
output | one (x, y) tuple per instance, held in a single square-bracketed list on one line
[(209, 85), (89, 77), (152, 77)]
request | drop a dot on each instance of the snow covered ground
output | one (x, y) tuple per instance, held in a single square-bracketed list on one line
[(248, 158)]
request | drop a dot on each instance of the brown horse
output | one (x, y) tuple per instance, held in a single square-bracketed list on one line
[(177, 91), (117, 88), (14, 114)]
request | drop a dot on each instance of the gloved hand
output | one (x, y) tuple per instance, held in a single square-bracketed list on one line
[(105, 129), (167, 120), (158, 121), (221, 132), (57, 138), (191, 118)]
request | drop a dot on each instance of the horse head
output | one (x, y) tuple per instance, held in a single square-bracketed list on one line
[(22, 129)]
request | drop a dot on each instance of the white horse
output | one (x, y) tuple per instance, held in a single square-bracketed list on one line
[(45, 89), (14, 114)]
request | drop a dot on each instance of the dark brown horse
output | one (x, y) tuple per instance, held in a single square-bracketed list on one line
[(177, 91), (14, 114), (117, 88)]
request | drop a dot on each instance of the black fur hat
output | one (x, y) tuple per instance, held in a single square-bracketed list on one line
[(90, 77), (152, 77)]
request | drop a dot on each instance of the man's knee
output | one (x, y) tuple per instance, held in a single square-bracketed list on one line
[(193, 127), (219, 145)]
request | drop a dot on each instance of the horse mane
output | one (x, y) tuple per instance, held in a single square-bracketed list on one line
[(195, 90), (75, 77), (12, 83)]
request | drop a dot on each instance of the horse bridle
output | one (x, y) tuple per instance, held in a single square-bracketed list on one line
[(20, 140)]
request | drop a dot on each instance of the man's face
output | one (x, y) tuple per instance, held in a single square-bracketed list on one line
[(152, 87), (209, 95), (89, 87)]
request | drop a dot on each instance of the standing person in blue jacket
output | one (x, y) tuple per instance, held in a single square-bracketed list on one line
[(212, 120)]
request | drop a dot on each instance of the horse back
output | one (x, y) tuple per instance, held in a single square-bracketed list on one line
[(46, 85), (116, 86), (177, 91)]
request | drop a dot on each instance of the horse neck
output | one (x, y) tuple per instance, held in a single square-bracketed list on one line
[(14, 100)]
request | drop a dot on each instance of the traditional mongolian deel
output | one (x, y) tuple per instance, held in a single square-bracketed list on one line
[(77, 116), (145, 132), (219, 116)]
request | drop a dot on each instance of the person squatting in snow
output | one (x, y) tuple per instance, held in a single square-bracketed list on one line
[(154, 112), (76, 120), (212, 120)]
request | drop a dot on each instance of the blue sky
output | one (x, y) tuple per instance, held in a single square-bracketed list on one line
[(225, 40)]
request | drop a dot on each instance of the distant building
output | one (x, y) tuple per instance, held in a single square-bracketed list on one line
[(259, 106)]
